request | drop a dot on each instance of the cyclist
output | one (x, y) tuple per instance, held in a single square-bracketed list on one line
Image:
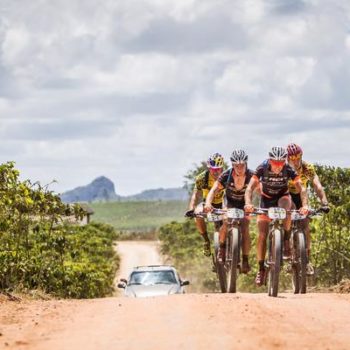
[(234, 182), (203, 183), (307, 173), (273, 176)]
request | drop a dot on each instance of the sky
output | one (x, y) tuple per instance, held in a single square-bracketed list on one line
[(140, 91)]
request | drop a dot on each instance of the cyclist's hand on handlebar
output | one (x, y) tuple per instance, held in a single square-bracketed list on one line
[(325, 208), (248, 208), (189, 213), (304, 210), (208, 208)]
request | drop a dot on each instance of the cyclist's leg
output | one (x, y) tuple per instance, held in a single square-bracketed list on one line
[(286, 203), (223, 232), (202, 228), (263, 228), (222, 242)]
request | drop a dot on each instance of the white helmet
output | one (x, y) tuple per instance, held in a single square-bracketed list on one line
[(278, 153), (239, 156)]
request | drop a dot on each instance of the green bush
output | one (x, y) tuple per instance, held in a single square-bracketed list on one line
[(40, 250), (331, 234)]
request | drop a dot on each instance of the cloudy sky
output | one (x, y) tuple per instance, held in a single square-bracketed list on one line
[(138, 91)]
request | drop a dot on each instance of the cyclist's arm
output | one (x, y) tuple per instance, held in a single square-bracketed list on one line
[(196, 195), (253, 183), (302, 190), (217, 187), (319, 190)]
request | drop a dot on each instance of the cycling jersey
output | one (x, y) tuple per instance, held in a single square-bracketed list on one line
[(204, 182), (234, 197), (274, 185), (306, 172)]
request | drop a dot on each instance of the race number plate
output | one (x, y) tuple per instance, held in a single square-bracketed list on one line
[(214, 217), (234, 213), (297, 216), (277, 213)]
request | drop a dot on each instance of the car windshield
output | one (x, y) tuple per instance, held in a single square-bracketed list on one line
[(152, 277)]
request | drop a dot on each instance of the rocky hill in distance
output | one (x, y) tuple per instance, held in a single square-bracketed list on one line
[(103, 189)]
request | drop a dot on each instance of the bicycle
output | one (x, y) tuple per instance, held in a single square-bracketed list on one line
[(274, 246), (228, 271), (298, 260)]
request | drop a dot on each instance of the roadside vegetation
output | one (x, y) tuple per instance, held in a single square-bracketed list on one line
[(41, 250)]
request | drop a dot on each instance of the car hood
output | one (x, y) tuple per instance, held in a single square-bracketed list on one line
[(141, 291)]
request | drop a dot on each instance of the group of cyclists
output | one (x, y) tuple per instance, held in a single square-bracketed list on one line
[(281, 181)]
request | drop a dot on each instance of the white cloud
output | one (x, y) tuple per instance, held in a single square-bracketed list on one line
[(124, 88)]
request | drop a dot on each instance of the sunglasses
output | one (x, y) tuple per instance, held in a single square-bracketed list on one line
[(216, 170), (277, 162), (295, 157)]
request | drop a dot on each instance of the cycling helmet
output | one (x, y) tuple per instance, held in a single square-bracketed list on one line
[(294, 150), (278, 153), (215, 161), (239, 156)]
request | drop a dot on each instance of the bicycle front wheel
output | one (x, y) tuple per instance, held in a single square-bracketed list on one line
[(233, 268), (275, 256)]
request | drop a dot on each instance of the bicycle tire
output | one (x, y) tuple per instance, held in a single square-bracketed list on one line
[(295, 264), (275, 263), (221, 272), (220, 268), (303, 261), (216, 249), (233, 268)]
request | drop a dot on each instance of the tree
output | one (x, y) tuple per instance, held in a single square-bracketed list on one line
[(331, 234)]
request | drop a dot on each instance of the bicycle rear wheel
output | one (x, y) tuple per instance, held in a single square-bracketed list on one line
[(303, 261), (234, 253), (295, 264), (299, 269), (275, 255)]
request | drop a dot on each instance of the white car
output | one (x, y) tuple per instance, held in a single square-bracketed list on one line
[(153, 280)]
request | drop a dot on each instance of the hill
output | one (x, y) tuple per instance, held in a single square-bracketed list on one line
[(164, 194), (101, 189)]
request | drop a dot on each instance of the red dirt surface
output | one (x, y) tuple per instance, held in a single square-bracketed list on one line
[(190, 321)]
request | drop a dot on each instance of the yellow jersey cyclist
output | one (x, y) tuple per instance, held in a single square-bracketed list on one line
[(308, 175), (203, 184), (234, 182)]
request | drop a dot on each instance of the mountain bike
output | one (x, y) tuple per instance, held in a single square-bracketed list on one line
[(274, 246), (228, 271), (298, 259)]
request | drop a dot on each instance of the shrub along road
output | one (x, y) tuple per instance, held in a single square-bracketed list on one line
[(190, 321)]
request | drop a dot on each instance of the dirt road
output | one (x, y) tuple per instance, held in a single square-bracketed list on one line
[(134, 253), (190, 321)]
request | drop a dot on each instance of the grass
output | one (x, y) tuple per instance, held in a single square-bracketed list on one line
[(139, 216)]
